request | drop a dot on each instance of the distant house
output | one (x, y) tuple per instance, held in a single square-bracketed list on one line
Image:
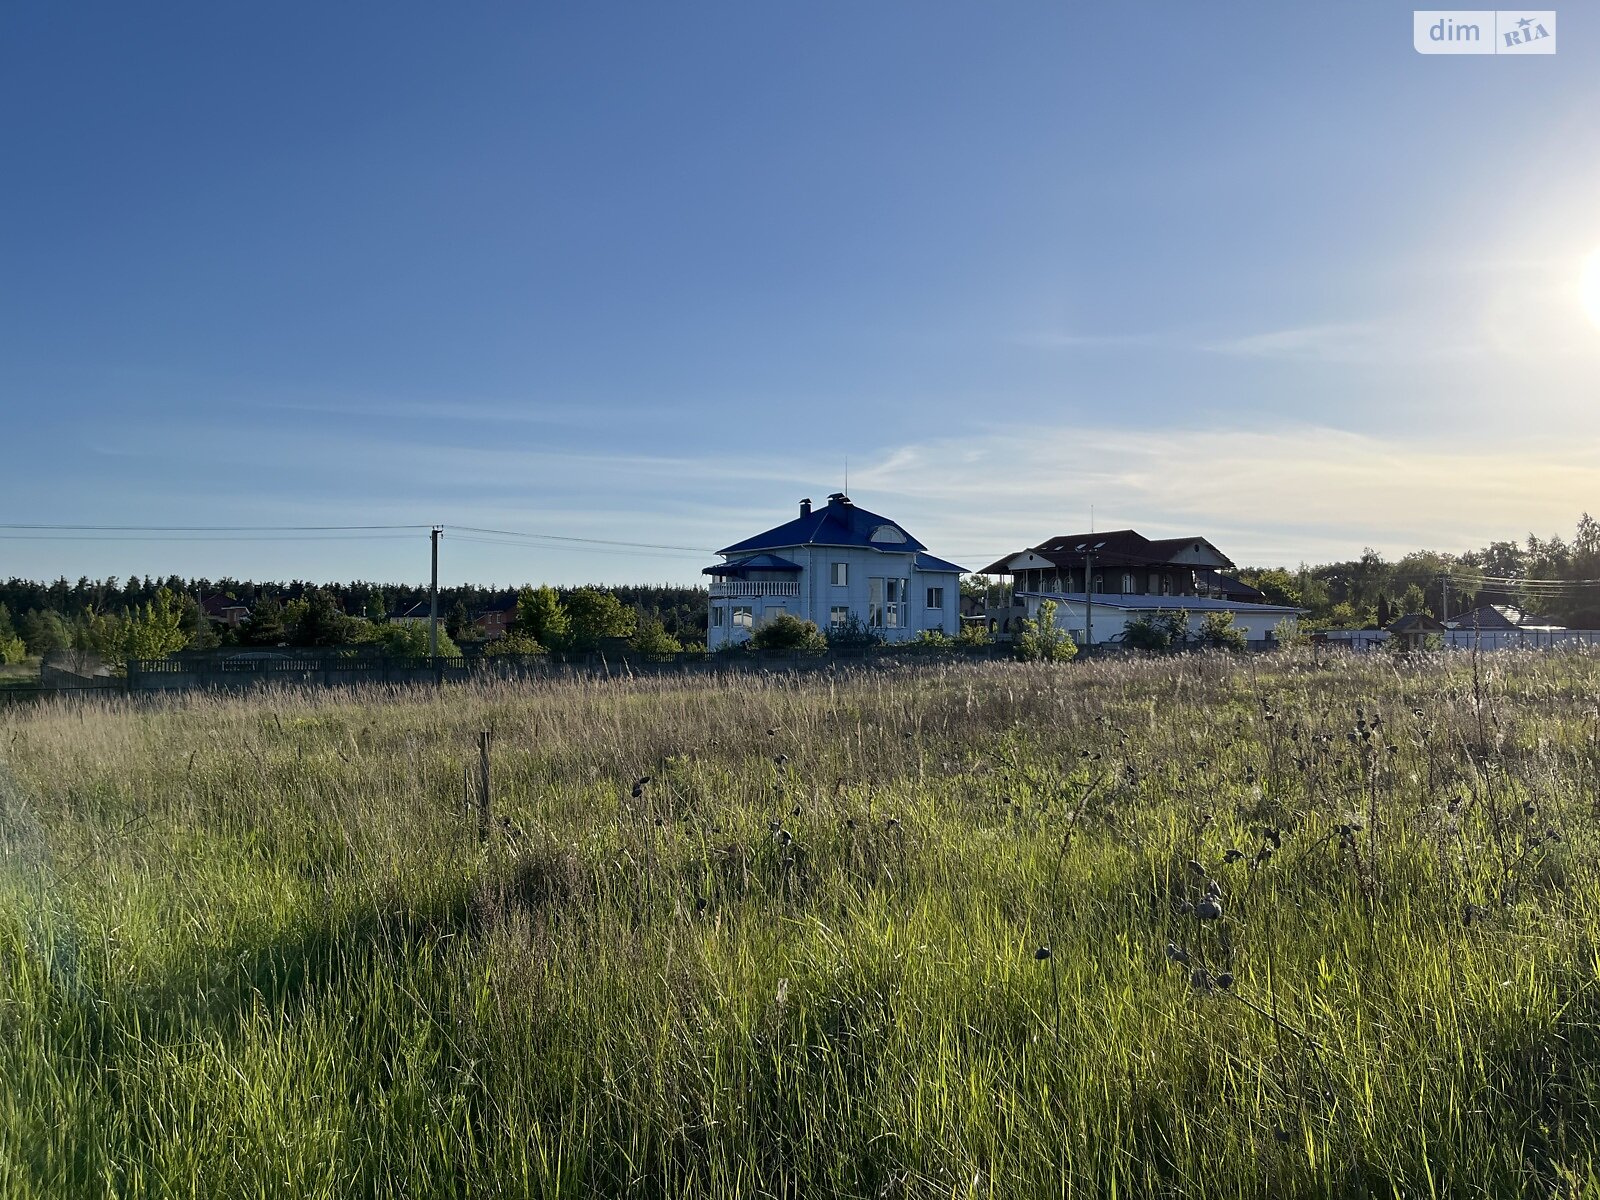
[(225, 610), (417, 614), (1414, 629), (1498, 617), (1226, 587), (496, 620), (1122, 562), (833, 565), (1102, 581)]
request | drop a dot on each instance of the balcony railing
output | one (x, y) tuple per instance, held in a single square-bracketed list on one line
[(754, 587)]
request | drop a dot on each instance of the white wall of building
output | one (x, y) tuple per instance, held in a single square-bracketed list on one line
[(819, 595), (1109, 621)]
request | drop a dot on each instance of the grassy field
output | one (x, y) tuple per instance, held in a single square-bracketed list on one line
[(1193, 927)]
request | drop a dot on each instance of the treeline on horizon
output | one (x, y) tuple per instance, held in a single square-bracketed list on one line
[(43, 616), (1551, 578), (1360, 593)]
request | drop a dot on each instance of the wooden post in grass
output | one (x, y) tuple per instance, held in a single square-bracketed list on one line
[(484, 813)]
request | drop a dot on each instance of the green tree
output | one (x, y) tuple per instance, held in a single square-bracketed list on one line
[(1218, 632), (1412, 600), (459, 623), (540, 616), (788, 632), (652, 640), (410, 640), (265, 625), (323, 622), (153, 631), (12, 648), (1039, 640), (377, 608), (596, 615), (44, 630)]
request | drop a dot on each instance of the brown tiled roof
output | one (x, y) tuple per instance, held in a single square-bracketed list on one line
[(1114, 548)]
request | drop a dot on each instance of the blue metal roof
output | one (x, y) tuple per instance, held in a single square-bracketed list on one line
[(753, 562), (927, 562), (1163, 603), (838, 523)]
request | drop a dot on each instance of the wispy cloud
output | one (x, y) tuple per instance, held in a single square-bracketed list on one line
[(1373, 343), (1270, 496)]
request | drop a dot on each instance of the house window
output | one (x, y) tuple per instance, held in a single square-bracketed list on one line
[(743, 617), (1155, 584), (886, 599), (773, 612), (841, 574), (716, 616), (839, 616), (1127, 584), (936, 597)]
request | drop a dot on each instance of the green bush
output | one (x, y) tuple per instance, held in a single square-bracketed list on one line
[(1040, 641), (514, 643), (852, 635), (652, 640), (788, 632), (1158, 631), (410, 640), (1218, 632), (12, 649)]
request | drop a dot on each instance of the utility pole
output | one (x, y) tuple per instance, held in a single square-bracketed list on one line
[(433, 594), (1444, 580), (1088, 597)]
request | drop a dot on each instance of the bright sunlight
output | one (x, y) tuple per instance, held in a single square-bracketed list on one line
[(1589, 287)]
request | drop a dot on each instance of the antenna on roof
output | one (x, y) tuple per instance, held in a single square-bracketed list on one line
[(846, 474), (1091, 518)]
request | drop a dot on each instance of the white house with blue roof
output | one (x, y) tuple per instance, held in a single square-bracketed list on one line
[(832, 565)]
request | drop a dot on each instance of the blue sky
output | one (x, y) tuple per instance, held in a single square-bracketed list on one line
[(1256, 271)]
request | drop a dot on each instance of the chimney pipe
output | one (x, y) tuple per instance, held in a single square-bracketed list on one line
[(805, 507)]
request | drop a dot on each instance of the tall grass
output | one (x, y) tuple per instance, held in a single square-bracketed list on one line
[(1313, 929)]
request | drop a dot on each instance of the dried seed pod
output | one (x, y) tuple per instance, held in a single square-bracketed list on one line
[(1209, 909), (1225, 980), (1196, 867), (1214, 890), (1177, 954), (638, 787), (1233, 855), (1042, 953), (784, 837)]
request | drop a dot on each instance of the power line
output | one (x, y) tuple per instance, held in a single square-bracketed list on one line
[(556, 537), (200, 537), (209, 528)]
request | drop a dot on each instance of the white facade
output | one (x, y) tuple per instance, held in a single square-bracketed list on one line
[(1110, 613), (889, 585)]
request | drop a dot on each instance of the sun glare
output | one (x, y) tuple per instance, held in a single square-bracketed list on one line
[(1589, 288)]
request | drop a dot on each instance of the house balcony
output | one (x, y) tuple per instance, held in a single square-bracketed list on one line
[(735, 588)]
